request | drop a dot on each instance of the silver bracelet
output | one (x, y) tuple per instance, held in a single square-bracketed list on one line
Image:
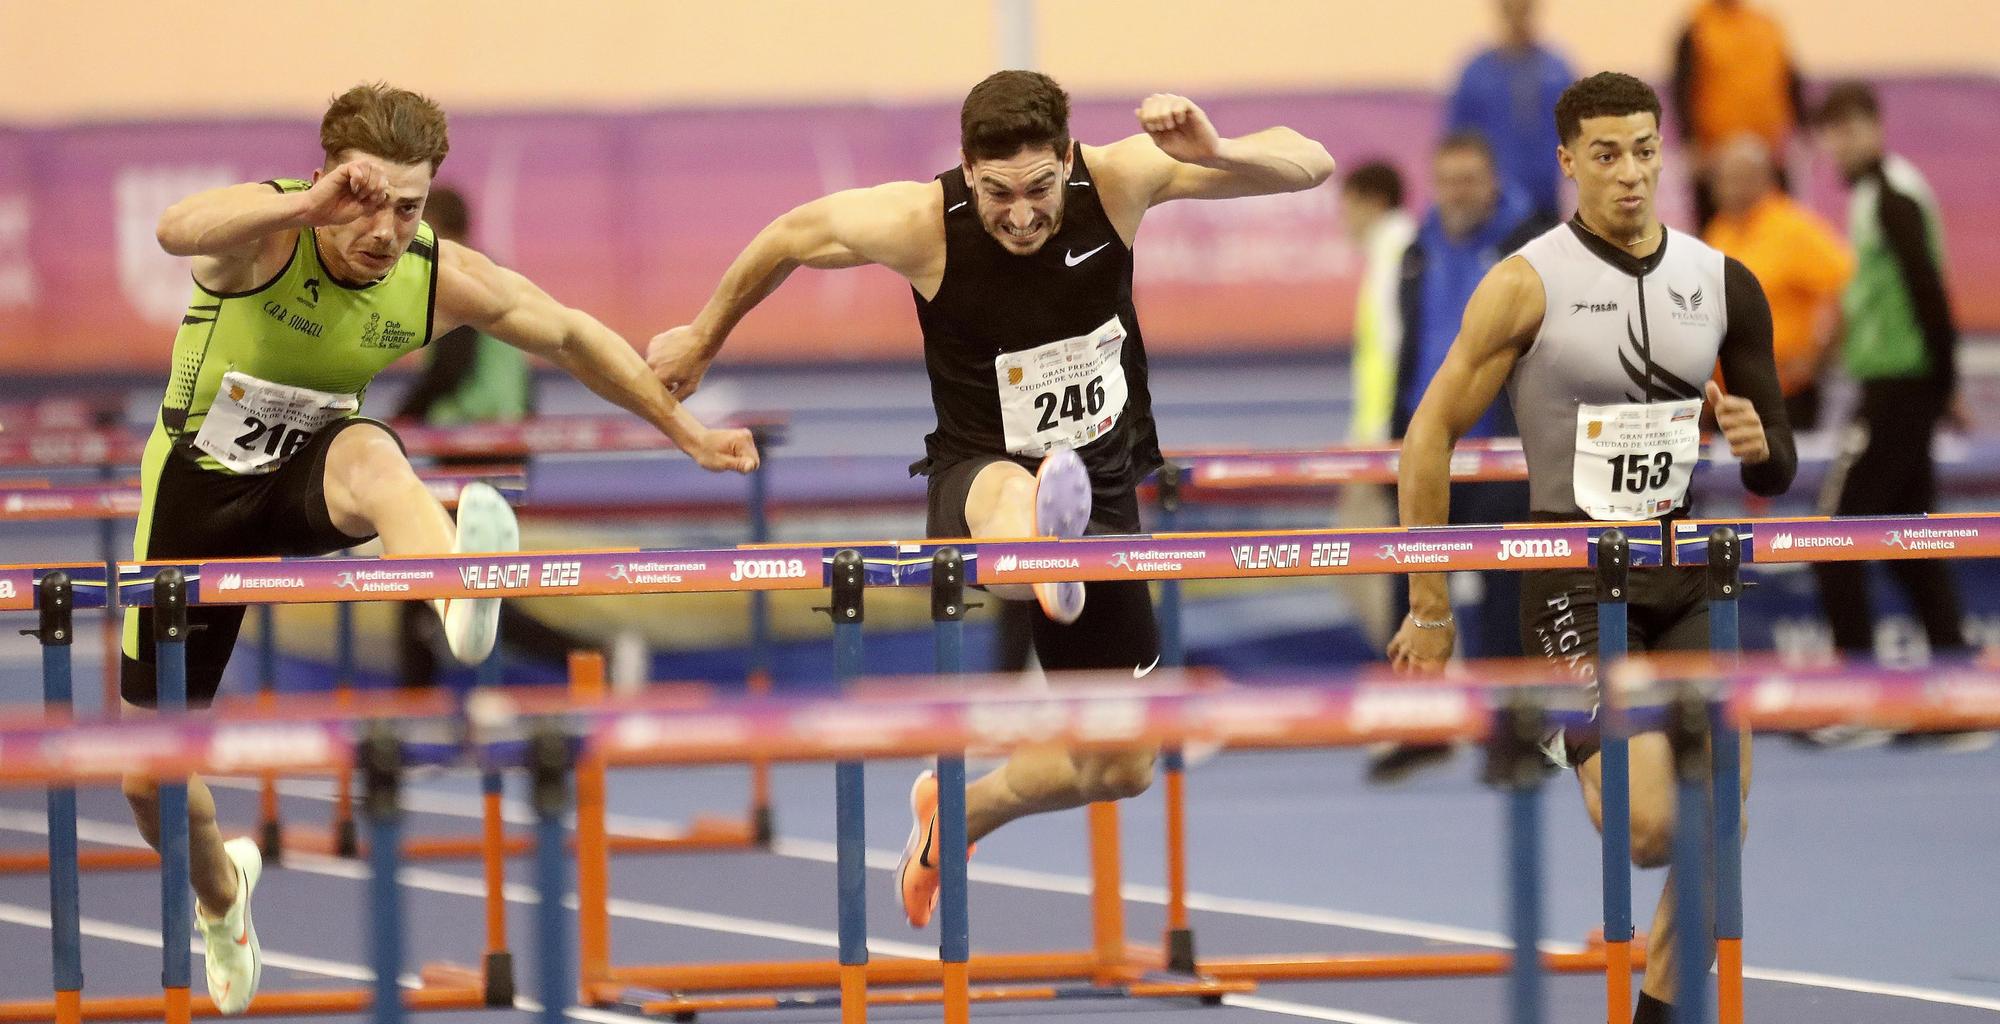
[(1421, 624)]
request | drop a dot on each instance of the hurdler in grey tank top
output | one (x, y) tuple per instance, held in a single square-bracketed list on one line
[(1616, 330)]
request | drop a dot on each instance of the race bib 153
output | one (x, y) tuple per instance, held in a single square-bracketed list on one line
[(1634, 461)]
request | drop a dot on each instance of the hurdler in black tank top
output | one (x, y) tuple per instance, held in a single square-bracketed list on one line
[(992, 301)]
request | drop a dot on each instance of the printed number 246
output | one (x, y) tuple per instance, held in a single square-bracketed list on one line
[(1077, 401)]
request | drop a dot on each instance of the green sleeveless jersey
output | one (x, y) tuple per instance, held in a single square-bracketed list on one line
[(304, 328)]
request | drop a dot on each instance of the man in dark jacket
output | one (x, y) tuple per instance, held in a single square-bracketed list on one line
[(1476, 220), (1474, 223)]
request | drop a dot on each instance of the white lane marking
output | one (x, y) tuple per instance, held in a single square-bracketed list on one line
[(32, 917), (1864, 987), (13, 913), (1308, 1010), (445, 883), (451, 805)]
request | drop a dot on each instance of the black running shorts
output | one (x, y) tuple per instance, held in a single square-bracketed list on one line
[(198, 513), (1666, 610), (1117, 629)]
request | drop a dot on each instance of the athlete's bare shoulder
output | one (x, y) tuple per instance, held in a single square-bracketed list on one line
[(1506, 309), (1128, 174), (899, 225)]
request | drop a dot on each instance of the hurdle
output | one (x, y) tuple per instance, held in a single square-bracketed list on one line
[(106, 503), (511, 445), (72, 751), (521, 441), (661, 731), (634, 733)]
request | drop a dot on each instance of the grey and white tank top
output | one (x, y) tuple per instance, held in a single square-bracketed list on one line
[(1617, 331)]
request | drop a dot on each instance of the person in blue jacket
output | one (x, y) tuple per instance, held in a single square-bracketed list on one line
[(1508, 95), (1476, 220)]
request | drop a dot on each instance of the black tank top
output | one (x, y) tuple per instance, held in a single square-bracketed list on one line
[(992, 302)]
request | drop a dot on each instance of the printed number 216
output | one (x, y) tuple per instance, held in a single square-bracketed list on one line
[(277, 438), (1077, 402)]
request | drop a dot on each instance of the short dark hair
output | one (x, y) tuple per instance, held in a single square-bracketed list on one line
[(1377, 179), (1469, 139), (1605, 94), (1846, 100), (445, 211), (1011, 111)]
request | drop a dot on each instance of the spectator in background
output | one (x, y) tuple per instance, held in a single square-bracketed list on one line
[(1508, 96), (1801, 262), (1732, 75), (1899, 343), (1477, 221), (468, 377), (1371, 210)]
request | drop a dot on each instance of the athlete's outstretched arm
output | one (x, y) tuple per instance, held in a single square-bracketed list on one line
[(891, 224), (1182, 156), (1500, 321), (473, 290)]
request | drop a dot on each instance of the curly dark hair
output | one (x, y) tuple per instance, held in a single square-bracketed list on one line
[(1605, 94)]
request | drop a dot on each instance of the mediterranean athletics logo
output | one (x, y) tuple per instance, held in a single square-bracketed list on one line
[(382, 581), (1930, 538)]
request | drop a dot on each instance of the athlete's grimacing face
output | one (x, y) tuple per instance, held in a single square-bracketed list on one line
[(367, 248), (1020, 199), (1615, 162)]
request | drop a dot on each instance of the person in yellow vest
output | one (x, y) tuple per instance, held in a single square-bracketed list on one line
[(1733, 74), (1381, 229), (304, 290), (1801, 261)]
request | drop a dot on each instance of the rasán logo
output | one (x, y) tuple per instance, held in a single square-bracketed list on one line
[(767, 569)]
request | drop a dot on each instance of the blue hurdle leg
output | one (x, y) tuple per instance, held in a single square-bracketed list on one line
[(1615, 776), (850, 837), (57, 633), (1725, 592), (382, 768), (1688, 729), (176, 900), (1515, 765), (551, 762), (954, 906)]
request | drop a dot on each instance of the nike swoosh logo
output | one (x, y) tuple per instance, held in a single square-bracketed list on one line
[(1071, 259), (1141, 673), (954, 208)]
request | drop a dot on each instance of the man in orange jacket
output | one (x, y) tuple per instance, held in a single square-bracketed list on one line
[(1801, 262)]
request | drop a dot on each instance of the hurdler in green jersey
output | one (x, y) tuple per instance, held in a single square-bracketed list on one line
[(304, 290), (305, 328)]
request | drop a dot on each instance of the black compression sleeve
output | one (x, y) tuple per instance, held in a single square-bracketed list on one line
[(1750, 370), (1908, 236)]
